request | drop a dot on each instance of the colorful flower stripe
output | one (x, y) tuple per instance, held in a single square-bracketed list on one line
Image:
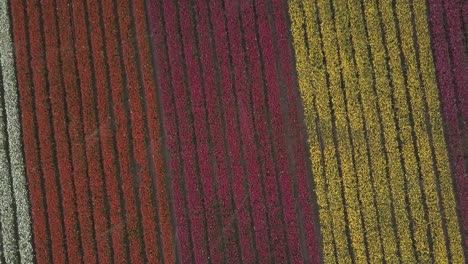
[(411, 148), (96, 195), (229, 98)]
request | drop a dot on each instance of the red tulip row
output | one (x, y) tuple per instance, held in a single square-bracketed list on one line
[(176, 93), (22, 23), (197, 90), (139, 124), (102, 198), (120, 107), (40, 78), (243, 90), (105, 133), (285, 223), (233, 116), (225, 239)]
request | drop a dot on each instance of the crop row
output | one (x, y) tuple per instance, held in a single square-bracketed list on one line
[(36, 111), (376, 123), (90, 72), (131, 94), (32, 160), (323, 158), (98, 88), (372, 123)]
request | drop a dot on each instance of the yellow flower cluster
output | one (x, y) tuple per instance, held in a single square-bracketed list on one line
[(378, 153)]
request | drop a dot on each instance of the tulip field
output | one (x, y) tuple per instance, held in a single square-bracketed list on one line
[(233, 131)]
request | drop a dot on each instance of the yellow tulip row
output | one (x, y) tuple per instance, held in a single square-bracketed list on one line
[(418, 214), (352, 82), (331, 68), (369, 90), (322, 150), (370, 104), (396, 172)]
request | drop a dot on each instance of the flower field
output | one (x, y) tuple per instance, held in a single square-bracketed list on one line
[(228, 131)]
